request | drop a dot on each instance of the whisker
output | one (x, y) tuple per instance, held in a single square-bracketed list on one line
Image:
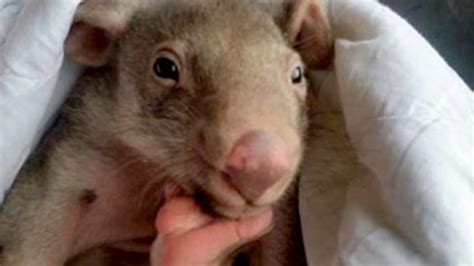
[(174, 168), (306, 40)]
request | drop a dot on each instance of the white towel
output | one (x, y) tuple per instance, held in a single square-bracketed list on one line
[(411, 120), (31, 89)]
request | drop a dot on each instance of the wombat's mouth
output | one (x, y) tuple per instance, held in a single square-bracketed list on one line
[(215, 208), (221, 198)]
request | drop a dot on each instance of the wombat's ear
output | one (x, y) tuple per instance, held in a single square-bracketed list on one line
[(96, 25), (307, 28)]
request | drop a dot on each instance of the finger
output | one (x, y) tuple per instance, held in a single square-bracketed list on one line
[(179, 215), (220, 236)]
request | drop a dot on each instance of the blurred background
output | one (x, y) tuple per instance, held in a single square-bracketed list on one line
[(449, 27)]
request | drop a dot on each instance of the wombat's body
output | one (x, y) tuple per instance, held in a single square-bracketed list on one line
[(94, 186)]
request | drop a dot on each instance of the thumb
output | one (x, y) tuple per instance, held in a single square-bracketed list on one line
[(226, 235), (187, 236)]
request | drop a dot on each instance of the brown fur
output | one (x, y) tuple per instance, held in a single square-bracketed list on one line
[(96, 181)]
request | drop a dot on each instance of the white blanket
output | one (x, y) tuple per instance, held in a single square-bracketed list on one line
[(411, 119), (408, 114), (31, 85)]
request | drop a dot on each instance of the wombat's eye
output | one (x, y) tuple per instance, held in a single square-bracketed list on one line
[(297, 75), (166, 68)]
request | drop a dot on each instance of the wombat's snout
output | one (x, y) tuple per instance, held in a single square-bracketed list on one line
[(257, 162)]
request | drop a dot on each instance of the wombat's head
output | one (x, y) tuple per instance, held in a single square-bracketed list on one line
[(211, 91)]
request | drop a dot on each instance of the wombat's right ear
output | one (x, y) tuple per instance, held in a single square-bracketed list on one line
[(96, 25), (306, 25)]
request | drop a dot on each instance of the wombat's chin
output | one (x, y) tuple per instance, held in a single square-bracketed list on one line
[(223, 208), (238, 213), (221, 199)]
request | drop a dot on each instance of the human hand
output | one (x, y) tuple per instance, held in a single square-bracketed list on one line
[(188, 237)]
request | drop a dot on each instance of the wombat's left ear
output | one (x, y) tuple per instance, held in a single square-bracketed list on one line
[(97, 24), (307, 28)]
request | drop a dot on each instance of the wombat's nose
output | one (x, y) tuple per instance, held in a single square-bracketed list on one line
[(257, 161)]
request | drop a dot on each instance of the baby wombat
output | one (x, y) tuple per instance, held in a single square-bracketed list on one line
[(208, 95)]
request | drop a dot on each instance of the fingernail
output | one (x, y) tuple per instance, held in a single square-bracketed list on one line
[(268, 215), (258, 225), (170, 190)]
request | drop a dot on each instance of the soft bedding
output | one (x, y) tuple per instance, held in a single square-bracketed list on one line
[(408, 114), (34, 77), (410, 118)]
